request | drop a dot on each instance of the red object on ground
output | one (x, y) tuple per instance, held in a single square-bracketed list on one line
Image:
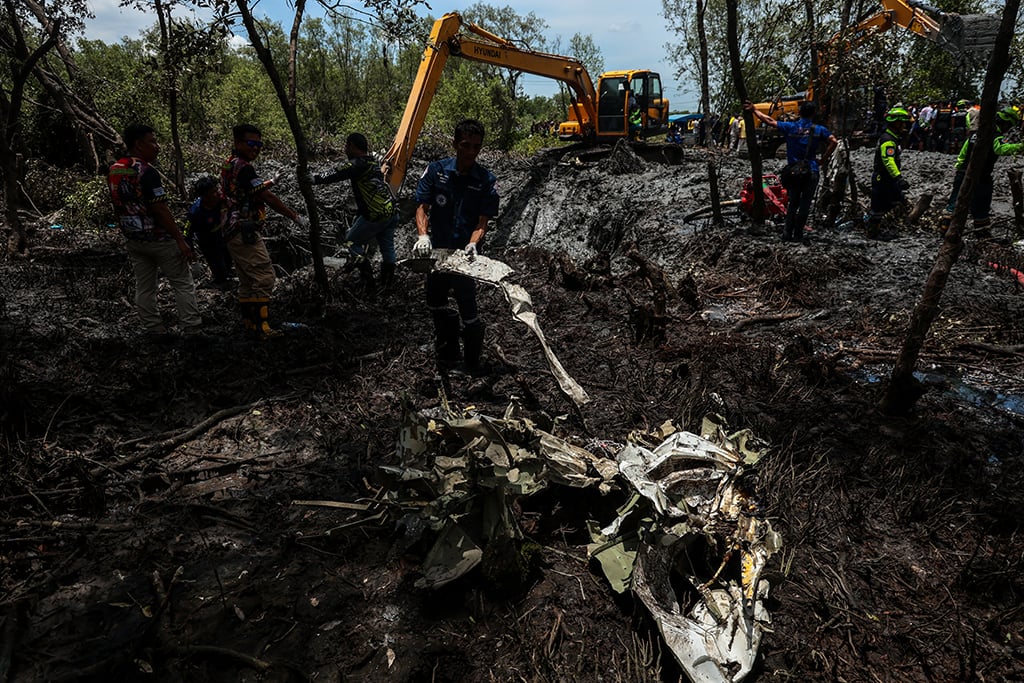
[(1013, 271), (775, 196)]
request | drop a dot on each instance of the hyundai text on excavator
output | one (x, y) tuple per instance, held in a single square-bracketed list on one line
[(595, 115), (964, 36)]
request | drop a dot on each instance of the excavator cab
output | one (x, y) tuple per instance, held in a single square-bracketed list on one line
[(618, 91)]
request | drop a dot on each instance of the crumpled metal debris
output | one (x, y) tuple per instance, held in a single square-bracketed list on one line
[(495, 272), (690, 543), (691, 515), (460, 470)]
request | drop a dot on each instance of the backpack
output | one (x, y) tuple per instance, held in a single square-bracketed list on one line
[(380, 201)]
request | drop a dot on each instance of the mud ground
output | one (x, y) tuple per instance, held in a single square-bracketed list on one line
[(151, 529)]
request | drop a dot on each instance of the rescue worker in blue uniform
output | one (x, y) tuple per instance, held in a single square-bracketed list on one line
[(456, 198)]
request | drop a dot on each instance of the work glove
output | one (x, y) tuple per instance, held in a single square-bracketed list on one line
[(307, 177), (902, 183), (471, 251), (302, 221), (423, 247)]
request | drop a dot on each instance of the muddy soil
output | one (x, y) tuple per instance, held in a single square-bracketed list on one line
[(159, 518)]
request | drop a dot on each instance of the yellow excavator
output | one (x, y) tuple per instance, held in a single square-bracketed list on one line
[(964, 36), (595, 115)]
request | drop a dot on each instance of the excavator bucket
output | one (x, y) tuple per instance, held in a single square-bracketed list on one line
[(971, 35)]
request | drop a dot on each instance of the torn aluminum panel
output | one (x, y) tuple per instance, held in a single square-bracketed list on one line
[(522, 310), (692, 518), (494, 272)]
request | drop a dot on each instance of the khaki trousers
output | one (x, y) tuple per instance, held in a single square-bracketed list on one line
[(253, 266), (147, 259)]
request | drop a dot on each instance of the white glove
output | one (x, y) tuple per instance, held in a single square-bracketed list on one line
[(471, 251), (302, 221), (423, 247)]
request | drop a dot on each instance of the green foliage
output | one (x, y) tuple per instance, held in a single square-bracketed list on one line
[(88, 204), (463, 95), (120, 80), (529, 145), (247, 96)]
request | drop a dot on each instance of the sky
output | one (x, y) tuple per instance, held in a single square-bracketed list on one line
[(630, 35)]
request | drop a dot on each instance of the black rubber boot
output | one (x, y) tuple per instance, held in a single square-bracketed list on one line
[(387, 276), (365, 272), (875, 232), (473, 346), (446, 338)]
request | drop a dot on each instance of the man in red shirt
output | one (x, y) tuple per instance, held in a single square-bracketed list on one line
[(153, 240), (247, 196)]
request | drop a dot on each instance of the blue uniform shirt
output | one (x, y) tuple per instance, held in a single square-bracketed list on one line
[(456, 201), (202, 220), (796, 133)]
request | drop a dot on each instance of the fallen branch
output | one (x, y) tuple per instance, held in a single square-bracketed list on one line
[(764, 320), (1016, 350), (170, 444), (70, 526), (249, 661), (333, 504)]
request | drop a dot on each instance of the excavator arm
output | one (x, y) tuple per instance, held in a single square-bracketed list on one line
[(447, 39), (961, 35)]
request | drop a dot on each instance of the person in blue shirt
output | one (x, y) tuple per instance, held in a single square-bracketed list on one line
[(456, 198), (799, 134), (203, 223)]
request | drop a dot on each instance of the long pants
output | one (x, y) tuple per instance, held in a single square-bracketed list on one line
[(164, 256), (253, 266), (801, 195), (363, 230), (216, 253), (462, 287), (981, 202), (885, 196)]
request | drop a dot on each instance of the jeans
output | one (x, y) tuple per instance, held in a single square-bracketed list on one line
[(384, 231), (149, 257)]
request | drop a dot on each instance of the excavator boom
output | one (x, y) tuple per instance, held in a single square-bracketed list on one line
[(590, 119), (964, 36), (445, 41)]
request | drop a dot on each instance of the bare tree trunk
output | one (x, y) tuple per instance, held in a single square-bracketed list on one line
[(86, 143), (702, 37), (716, 197), (170, 78), (903, 389), (1017, 191), (809, 11), (748, 117), (22, 62), (301, 147), (293, 50)]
